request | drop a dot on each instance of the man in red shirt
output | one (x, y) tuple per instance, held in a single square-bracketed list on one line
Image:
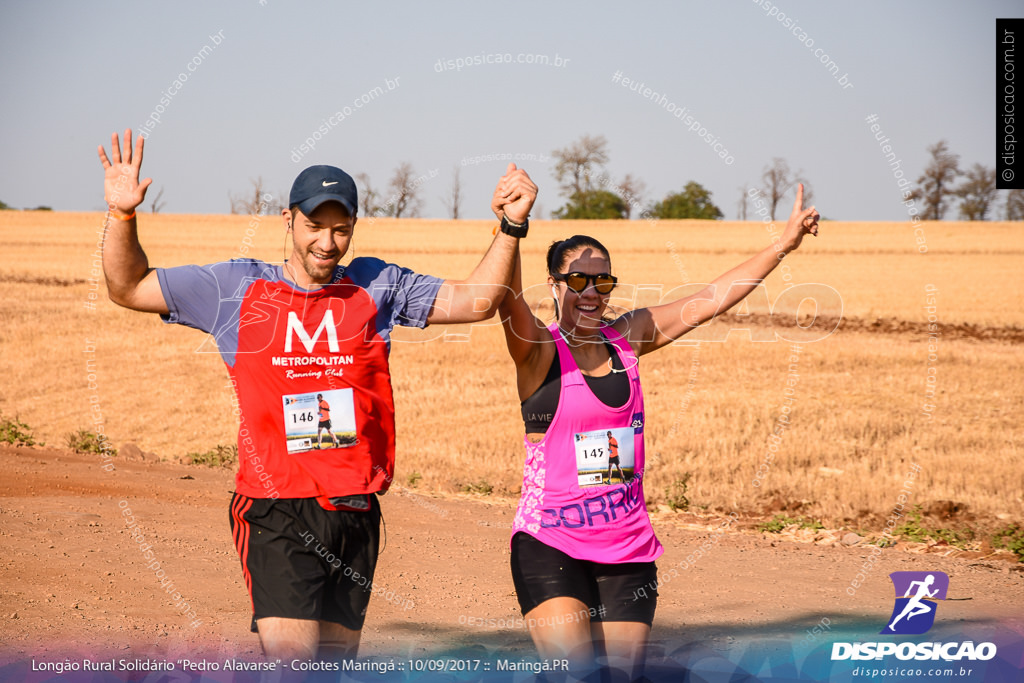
[(289, 335)]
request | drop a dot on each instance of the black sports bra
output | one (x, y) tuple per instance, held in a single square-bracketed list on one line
[(539, 408)]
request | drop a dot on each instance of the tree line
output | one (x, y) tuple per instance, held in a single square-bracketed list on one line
[(592, 194), (938, 191)]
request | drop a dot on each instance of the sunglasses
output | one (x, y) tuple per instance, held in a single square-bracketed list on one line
[(604, 283)]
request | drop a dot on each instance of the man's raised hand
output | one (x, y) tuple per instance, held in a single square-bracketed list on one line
[(121, 187), (514, 196)]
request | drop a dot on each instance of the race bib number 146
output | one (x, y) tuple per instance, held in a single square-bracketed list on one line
[(319, 420)]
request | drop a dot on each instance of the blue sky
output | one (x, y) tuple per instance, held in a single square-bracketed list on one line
[(74, 72)]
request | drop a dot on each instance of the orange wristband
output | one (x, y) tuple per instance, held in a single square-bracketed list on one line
[(123, 218)]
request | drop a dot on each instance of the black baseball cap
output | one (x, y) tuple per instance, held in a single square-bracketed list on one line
[(319, 184)]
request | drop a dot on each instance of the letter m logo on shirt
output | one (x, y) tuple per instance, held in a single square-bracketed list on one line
[(295, 328)]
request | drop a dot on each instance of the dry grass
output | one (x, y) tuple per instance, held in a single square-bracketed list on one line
[(858, 402)]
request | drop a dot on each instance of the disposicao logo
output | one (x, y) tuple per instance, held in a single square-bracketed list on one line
[(913, 613), (916, 596)]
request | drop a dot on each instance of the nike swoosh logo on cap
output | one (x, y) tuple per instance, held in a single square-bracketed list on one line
[(328, 184)]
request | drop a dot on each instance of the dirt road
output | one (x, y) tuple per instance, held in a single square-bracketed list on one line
[(76, 581)]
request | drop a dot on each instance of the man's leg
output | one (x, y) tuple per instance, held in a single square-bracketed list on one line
[(282, 554), (350, 582), (338, 642), (307, 639), (288, 639)]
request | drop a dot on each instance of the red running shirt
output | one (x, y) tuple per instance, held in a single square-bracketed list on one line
[(283, 345)]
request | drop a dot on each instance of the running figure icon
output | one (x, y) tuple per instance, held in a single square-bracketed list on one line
[(324, 417), (613, 458), (915, 605)]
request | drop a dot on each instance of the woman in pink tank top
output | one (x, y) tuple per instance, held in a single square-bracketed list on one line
[(582, 541)]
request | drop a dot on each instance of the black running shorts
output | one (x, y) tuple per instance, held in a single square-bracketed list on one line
[(324, 424), (301, 561), (612, 592)]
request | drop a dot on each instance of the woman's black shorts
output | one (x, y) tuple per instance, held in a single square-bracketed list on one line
[(612, 592), (301, 561)]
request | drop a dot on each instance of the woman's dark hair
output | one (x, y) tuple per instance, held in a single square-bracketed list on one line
[(559, 250)]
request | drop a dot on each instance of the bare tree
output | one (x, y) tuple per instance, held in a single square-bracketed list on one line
[(778, 179), (157, 202), (253, 203), (403, 200), (578, 162), (368, 196), (977, 193), (455, 198), (1015, 205), (935, 185), (632, 191)]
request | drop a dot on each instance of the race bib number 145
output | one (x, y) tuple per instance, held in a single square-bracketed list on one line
[(604, 456)]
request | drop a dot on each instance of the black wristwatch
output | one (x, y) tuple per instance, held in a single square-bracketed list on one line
[(514, 229)]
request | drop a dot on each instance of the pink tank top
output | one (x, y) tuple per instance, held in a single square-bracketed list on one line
[(575, 497)]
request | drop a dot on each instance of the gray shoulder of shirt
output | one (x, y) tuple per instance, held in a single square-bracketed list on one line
[(230, 274), (231, 278)]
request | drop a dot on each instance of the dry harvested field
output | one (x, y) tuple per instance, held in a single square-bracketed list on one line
[(861, 417), (860, 407)]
